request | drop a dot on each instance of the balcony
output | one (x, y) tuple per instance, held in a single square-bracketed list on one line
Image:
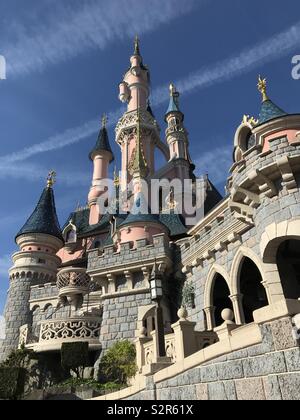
[(53, 333)]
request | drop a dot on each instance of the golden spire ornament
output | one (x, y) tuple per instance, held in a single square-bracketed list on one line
[(116, 178), (262, 87), (172, 89), (51, 179)]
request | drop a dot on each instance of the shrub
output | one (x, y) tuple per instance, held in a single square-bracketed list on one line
[(118, 364), (75, 357), (12, 382), (19, 358)]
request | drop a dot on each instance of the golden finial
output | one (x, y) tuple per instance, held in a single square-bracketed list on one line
[(51, 179), (104, 120), (172, 89), (262, 87), (136, 46), (249, 120), (116, 178)]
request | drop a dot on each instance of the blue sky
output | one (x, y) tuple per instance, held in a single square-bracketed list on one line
[(64, 62)]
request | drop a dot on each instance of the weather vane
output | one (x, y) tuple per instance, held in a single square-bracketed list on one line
[(51, 179), (262, 87)]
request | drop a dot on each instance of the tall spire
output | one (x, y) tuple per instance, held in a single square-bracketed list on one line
[(51, 179), (137, 46), (174, 100), (138, 164)]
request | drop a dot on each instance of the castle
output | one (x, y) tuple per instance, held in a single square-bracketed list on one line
[(232, 277)]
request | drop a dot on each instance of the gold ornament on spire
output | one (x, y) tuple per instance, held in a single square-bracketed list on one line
[(138, 163), (116, 178), (262, 87), (172, 89), (104, 120), (247, 120), (51, 179)]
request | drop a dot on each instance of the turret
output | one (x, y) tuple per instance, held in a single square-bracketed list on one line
[(176, 134), (134, 90), (101, 156), (35, 263)]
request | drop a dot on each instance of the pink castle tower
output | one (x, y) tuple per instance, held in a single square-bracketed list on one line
[(102, 156), (135, 90)]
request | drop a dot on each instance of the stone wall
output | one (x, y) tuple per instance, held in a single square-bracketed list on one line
[(268, 371), (16, 313), (120, 315)]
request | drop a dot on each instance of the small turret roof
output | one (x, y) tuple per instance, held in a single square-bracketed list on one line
[(102, 141), (44, 218), (174, 101), (269, 110)]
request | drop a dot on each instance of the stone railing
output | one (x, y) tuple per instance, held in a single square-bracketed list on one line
[(73, 284), (54, 333), (180, 344)]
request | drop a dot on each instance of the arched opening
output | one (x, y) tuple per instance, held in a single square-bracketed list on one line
[(252, 290), (220, 298), (71, 236), (288, 263)]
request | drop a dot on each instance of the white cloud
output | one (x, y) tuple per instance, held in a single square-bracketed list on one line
[(249, 58), (2, 328), (70, 29), (256, 55), (216, 163)]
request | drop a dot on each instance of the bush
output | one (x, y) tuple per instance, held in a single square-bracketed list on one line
[(89, 383), (12, 382), (119, 364), (75, 357), (19, 358)]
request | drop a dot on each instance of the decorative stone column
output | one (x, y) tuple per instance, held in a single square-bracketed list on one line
[(210, 317), (185, 339), (237, 302)]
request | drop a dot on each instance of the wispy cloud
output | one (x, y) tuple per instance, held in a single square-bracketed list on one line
[(271, 49), (35, 172), (75, 28), (206, 163), (248, 59)]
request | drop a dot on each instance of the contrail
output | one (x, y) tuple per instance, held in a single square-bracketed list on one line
[(246, 60)]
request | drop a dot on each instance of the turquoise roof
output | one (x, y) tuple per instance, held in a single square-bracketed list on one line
[(173, 105), (102, 144), (44, 218), (269, 111)]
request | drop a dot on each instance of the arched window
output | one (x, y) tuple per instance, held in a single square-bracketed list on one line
[(220, 298), (288, 262), (252, 290), (250, 140)]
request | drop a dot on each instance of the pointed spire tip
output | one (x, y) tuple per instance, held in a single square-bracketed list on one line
[(51, 179), (262, 88)]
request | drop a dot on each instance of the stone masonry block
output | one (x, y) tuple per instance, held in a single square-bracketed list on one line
[(209, 373), (290, 386), (230, 370), (272, 388), (264, 365), (222, 391), (250, 389), (292, 358), (202, 392), (282, 334)]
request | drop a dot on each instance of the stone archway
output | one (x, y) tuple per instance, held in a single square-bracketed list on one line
[(216, 295), (257, 287)]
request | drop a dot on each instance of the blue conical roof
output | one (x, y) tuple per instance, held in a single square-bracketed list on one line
[(102, 144), (44, 218), (269, 111), (173, 105)]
